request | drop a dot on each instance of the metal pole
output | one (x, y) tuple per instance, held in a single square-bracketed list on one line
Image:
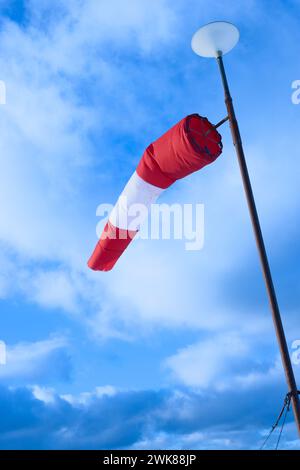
[(290, 377)]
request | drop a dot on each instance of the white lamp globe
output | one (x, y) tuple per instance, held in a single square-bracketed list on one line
[(215, 39)]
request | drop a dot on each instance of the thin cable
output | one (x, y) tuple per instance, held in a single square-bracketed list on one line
[(287, 409), (274, 426)]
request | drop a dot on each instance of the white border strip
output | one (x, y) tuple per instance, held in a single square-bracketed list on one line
[(136, 198)]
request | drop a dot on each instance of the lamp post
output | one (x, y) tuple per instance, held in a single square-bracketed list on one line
[(214, 40)]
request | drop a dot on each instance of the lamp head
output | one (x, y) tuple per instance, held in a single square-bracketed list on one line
[(215, 39)]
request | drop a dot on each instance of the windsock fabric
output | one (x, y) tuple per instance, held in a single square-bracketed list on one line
[(185, 148)]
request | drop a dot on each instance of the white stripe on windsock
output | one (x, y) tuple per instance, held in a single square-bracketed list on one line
[(133, 204)]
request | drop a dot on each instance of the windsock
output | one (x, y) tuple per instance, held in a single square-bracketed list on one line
[(185, 148)]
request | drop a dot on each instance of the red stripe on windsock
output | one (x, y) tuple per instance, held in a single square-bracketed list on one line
[(182, 150), (112, 244)]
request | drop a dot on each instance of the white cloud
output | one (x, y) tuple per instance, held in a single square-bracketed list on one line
[(45, 394), (208, 363), (26, 360), (85, 398), (272, 373), (195, 440), (93, 23), (6, 269), (53, 289), (226, 361)]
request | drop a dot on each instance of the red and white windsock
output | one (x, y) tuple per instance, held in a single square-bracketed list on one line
[(187, 147)]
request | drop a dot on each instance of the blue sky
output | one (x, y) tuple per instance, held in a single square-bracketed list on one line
[(172, 349)]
